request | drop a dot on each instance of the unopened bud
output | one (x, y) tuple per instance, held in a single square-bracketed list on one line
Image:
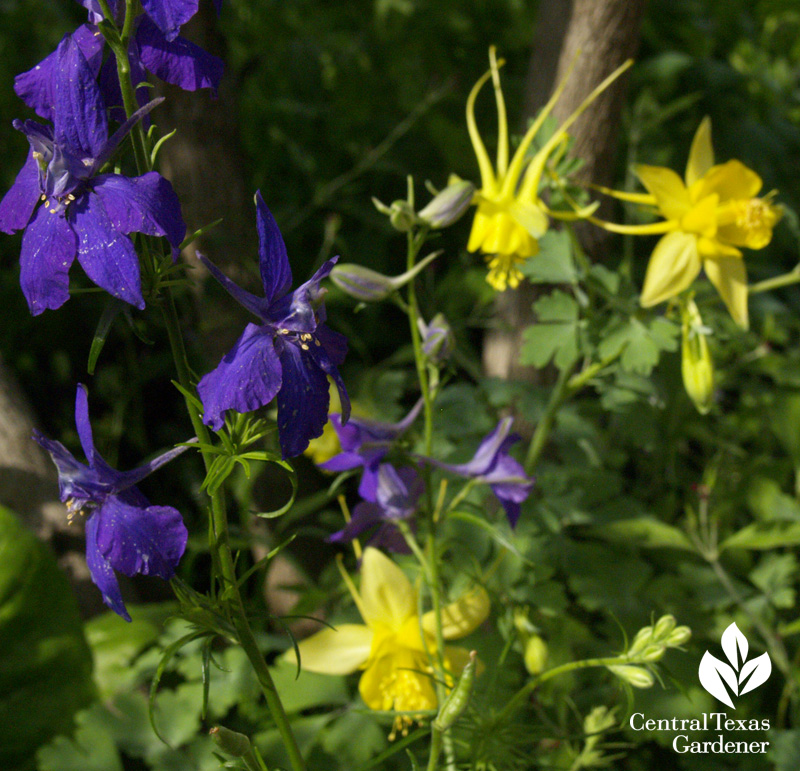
[(362, 283), (400, 214), (678, 636), (664, 626), (641, 641), (638, 677), (231, 742), (449, 205), (651, 653), (697, 367), (438, 341), (535, 655)]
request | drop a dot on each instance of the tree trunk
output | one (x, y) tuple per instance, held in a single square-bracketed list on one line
[(606, 33)]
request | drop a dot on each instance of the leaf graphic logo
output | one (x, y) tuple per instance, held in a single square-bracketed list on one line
[(740, 676)]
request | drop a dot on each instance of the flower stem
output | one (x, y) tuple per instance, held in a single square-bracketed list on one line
[(218, 534), (787, 279), (558, 396)]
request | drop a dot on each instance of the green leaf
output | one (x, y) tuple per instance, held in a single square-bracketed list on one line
[(45, 665), (639, 344), (768, 502), (91, 749), (554, 264), (647, 532), (764, 535), (557, 335), (110, 312), (310, 689)]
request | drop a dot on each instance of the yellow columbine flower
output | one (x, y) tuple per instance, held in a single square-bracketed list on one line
[(708, 215), (395, 644), (510, 217)]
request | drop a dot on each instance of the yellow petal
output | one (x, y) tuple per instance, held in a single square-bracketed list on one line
[(488, 180), (729, 276), (461, 617), (702, 217), (710, 248), (701, 154), (731, 180), (387, 596), (337, 651), (673, 266), (531, 217), (670, 193)]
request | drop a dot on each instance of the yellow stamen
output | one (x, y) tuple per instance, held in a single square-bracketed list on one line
[(503, 271)]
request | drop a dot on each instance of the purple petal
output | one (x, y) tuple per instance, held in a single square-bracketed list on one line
[(486, 455), (319, 353), (101, 571), (334, 343), (48, 249), (178, 62), (82, 422), (36, 87), (365, 515), (248, 377), (107, 256), (134, 540), (18, 203), (389, 538), (109, 84), (297, 311), (170, 15), (256, 305), (302, 401), (511, 496), (145, 204), (368, 487), (74, 478), (344, 461), (130, 478), (276, 274), (80, 117)]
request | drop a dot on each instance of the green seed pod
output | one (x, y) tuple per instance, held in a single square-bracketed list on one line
[(535, 655), (457, 700), (230, 742)]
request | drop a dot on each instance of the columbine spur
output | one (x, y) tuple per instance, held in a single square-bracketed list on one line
[(123, 531), (289, 354), (83, 213)]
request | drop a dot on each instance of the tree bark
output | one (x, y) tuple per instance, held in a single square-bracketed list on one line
[(598, 35)]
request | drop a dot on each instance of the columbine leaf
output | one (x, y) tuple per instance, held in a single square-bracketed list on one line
[(712, 672), (641, 345), (733, 642), (557, 335), (554, 263), (758, 670)]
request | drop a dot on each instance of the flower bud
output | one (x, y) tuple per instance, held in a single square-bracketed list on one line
[(638, 677), (641, 641), (678, 636), (400, 214), (535, 655), (653, 652), (362, 283), (697, 367), (231, 742), (664, 626), (449, 205), (438, 341)]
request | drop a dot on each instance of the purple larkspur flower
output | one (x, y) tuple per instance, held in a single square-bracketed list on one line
[(396, 496), (83, 213), (123, 531), (175, 61), (289, 354), (493, 466), (167, 15), (365, 443)]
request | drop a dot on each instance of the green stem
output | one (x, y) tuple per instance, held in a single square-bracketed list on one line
[(218, 533), (787, 279), (558, 396)]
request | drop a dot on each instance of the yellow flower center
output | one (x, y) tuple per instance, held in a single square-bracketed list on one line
[(408, 691)]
